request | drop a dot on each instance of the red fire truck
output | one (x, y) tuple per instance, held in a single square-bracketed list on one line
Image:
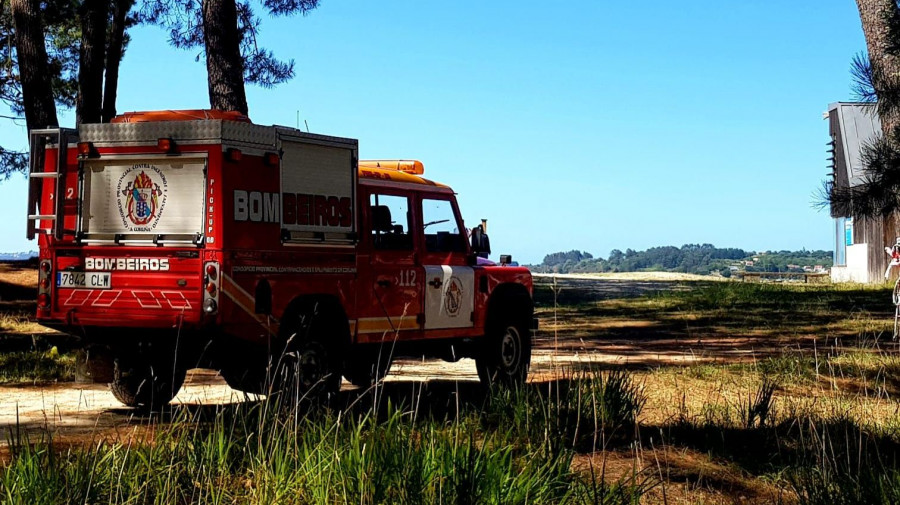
[(176, 239)]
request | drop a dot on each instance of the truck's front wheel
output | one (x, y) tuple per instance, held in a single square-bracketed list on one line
[(505, 354)]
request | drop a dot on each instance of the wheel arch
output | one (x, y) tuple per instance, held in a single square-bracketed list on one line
[(506, 296), (324, 305)]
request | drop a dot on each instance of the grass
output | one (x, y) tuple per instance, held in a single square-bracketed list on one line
[(805, 413), (789, 313), (262, 453), (36, 366)]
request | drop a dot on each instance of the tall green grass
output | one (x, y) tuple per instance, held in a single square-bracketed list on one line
[(586, 411), (843, 463), (263, 453)]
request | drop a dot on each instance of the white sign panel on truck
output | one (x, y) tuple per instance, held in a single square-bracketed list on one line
[(151, 196)]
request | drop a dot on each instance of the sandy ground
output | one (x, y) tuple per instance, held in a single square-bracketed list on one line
[(73, 410)]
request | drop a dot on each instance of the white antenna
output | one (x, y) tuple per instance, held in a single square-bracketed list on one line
[(298, 119)]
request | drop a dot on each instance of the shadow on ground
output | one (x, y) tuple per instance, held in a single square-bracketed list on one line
[(656, 323)]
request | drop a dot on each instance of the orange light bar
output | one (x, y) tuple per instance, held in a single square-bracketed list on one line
[(414, 167)]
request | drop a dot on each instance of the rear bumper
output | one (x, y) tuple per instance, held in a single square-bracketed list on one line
[(73, 321)]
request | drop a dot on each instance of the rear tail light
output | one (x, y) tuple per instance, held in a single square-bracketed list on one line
[(45, 282), (211, 288)]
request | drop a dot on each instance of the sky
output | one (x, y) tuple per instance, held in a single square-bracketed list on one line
[(590, 125)]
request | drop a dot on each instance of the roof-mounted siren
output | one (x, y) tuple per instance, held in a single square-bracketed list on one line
[(414, 167)]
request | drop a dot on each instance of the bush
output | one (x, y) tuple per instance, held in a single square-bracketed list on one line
[(586, 411)]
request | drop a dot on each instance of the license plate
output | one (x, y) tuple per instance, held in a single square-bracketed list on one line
[(90, 280)]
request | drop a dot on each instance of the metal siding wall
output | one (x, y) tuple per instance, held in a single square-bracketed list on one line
[(841, 176)]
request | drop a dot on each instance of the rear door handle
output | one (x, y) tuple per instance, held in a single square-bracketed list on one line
[(383, 283), (436, 283)]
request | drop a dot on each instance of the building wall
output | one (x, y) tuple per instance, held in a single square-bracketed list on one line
[(851, 126), (857, 269), (876, 233)]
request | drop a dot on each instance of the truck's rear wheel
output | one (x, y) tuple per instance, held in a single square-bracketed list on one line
[(309, 365), (367, 367), (146, 382), (505, 353)]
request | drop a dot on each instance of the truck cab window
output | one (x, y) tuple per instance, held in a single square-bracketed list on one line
[(440, 227), (389, 222)]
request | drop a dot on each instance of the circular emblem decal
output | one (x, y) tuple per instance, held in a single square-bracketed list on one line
[(453, 297), (141, 197)]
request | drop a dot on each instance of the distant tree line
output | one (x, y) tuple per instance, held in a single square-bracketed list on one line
[(701, 259)]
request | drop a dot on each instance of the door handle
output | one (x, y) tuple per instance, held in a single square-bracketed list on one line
[(436, 283), (383, 283)]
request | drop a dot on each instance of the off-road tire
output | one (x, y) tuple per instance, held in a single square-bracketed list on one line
[(147, 383), (895, 295), (504, 356), (368, 367), (308, 365)]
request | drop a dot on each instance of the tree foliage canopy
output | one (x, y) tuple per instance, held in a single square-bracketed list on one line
[(183, 19), (81, 40), (86, 39), (62, 36), (875, 79)]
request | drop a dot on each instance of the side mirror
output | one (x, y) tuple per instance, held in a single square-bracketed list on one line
[(505, 259), (481, 244)]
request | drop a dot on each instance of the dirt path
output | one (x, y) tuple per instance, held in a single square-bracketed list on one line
[(71, 410)]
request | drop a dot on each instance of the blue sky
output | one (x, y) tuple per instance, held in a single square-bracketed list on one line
[(590, 125)]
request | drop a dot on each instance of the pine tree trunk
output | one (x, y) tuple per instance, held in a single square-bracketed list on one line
[(94, 18), (114, 56), (881, 26), (224, 65), (37, 95)]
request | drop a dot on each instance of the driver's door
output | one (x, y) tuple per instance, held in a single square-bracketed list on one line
[(391, 282)]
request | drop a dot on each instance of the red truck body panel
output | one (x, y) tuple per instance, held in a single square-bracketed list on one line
[(256, 243)]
